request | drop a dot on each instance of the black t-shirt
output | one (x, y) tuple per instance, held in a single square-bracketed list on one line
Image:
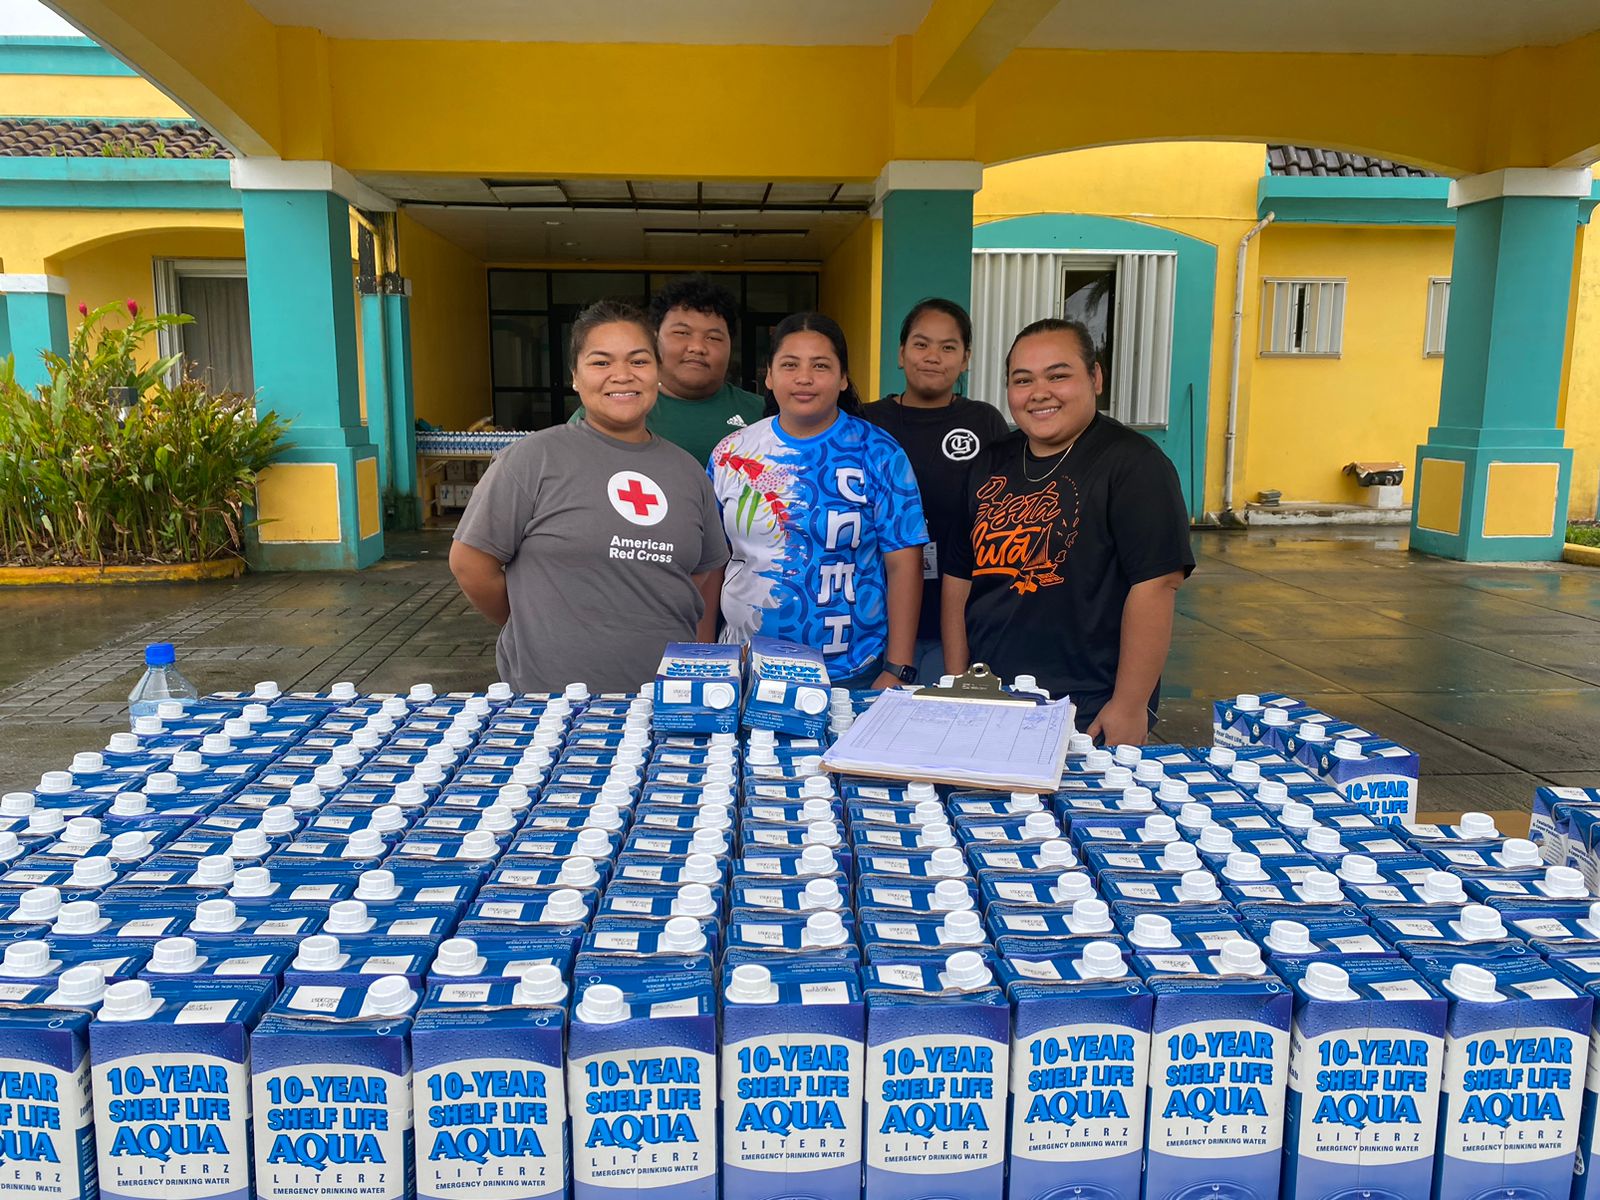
[(941, 443), (1052, 562)]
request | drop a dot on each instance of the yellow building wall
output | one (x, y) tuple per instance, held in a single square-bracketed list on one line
[(1307, 417), (1581, 402), (1206, 190), (119, 96), (849, 291), (449, 327)]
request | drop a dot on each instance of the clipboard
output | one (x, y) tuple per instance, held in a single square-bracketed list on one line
[(971, 733)]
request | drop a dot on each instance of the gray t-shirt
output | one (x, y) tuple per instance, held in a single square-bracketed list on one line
[(599, 538)]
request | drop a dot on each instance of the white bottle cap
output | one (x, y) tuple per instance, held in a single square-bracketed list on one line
[(428, 773), (170, 710), (1222, 756), (389, 995), (950, 895), (1149, 771), (1179, 857), (695, 900), (91, 872), (817, 860), (456, 957), (1359, 868), (1072, 886), (1243, 867), (967, 971), (760, 754), (130, 804), (1216, 839), (1057, 852), (1518, 852), (1441, 887), (720, 817), (933, 835), (124, 743), (255, 713), (818, 808), (79, 916), (540, 984), (1079, 745), (280, 819), (578, 872), (922, 792), (82, 831), (38, 904), (248, 843), (148, 726), (129, 1000), (821, 833), (947, 862), (1289, 937), (823, 892), (1152, 931), (87, 762), (129, 846), (216, 916), (601, 1004), (1158, 827), (343, 691), (1473, 983), (1321, 887), (1346, 749), (267, 689), (364, 843), (1198, 887), (811, 764), (54, 783), (575, 693), (1116, 777), (1319, 839), (1276, 718), (188, 762), (703, 841), (376, 884), (682, 935), (328, 776), (750, 983), (320, 952), (1040, 827), (1480, 923), (304, 796), (1245, 771), (963, 928), (513, 795), (1297, 817), (1312, 731), (1137, 799), (928, 812), (1247, 702), (383, 720), (1193, 816), (27, 960), (758, 737), (497, 819), (719, 695), (420, 693), (175, 956), (20, 804), (1272, 792), (499, 691), (1101, 960), (811, 701), (1240, 957), (80, 986), (1173, 791), (697, 868), (721, 792), (216, 869), (251, 881), (348, 916), (1098, 761), (1325, 981), (9, 846), (480, 845), (1564, 883), (455, 739), (823, 929), (1089, 915), (45, 820), (603, 816)]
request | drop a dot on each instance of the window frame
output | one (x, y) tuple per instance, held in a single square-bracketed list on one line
[(1433, 334), (1265, 347)]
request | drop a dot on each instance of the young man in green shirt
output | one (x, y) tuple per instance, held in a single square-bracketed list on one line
[(695, 321)]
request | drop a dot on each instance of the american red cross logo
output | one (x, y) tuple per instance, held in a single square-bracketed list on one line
[(637, 498)]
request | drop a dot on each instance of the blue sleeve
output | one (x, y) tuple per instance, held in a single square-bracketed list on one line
[(896, 502)]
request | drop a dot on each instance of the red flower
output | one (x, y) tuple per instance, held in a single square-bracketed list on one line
[(133, 308), (83, 310)]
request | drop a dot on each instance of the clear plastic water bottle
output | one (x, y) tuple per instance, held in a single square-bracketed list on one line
[(161, 681)]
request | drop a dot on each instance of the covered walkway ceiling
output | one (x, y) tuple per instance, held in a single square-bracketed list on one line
[(741, 90)]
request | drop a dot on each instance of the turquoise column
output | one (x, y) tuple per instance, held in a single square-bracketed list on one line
[(320, 505), (33, 318), (402, 405), (1494, 475), (375, 368), (926, 208)]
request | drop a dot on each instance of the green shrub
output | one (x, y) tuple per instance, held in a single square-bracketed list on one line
[(92, 474), (1584, 535)]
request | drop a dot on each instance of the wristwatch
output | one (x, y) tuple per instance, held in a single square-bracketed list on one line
[(905, 674)]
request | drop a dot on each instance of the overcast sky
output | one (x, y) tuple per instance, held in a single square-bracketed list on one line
[(30, 18)]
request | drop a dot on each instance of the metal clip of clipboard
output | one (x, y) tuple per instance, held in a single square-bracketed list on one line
[(977, 685)]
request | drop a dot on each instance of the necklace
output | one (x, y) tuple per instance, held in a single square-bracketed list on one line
[(1060, 458)]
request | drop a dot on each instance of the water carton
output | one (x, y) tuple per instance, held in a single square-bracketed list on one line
[(788, 688), (938, 1065), (1237, 721), (1516, 1046), (792, 1076), (642, 1087), (171, 1087), (1218, 1076), (331, 1093), (697, 688), (1365, 1061), (1378, 775), (488, 1064), (1080, 1061)]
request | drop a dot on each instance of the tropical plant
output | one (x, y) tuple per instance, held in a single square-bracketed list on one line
[(91, 473)]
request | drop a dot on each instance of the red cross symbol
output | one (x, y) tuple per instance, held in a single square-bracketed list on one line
[(641, 500)]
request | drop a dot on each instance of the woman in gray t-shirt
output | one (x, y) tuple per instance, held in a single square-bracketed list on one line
[(594, 545)]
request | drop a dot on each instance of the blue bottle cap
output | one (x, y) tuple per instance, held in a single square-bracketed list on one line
[(159, 654)]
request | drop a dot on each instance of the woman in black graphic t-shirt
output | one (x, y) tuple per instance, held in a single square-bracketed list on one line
[(1076, 543)]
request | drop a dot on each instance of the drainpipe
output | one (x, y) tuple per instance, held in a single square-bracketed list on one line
[(1229, 517)]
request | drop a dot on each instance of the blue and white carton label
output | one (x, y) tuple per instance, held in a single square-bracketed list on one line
[(46, 1119), (697, 688)]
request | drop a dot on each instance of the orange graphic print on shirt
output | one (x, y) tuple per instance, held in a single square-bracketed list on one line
[(1024, 537)]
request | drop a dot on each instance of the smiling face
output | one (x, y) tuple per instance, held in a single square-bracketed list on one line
[(806, 378), (933, 357), (694, 353), (615, 376), (1051, 385)]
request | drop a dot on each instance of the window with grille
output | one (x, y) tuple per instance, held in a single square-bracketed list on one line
[(1438, 310), (1124, 298), (1303, 316)]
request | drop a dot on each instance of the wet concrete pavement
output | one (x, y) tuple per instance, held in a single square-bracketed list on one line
[(1492, 673)]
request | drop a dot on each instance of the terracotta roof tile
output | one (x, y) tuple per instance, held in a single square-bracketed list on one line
[(1309, 160), (40, 138)]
